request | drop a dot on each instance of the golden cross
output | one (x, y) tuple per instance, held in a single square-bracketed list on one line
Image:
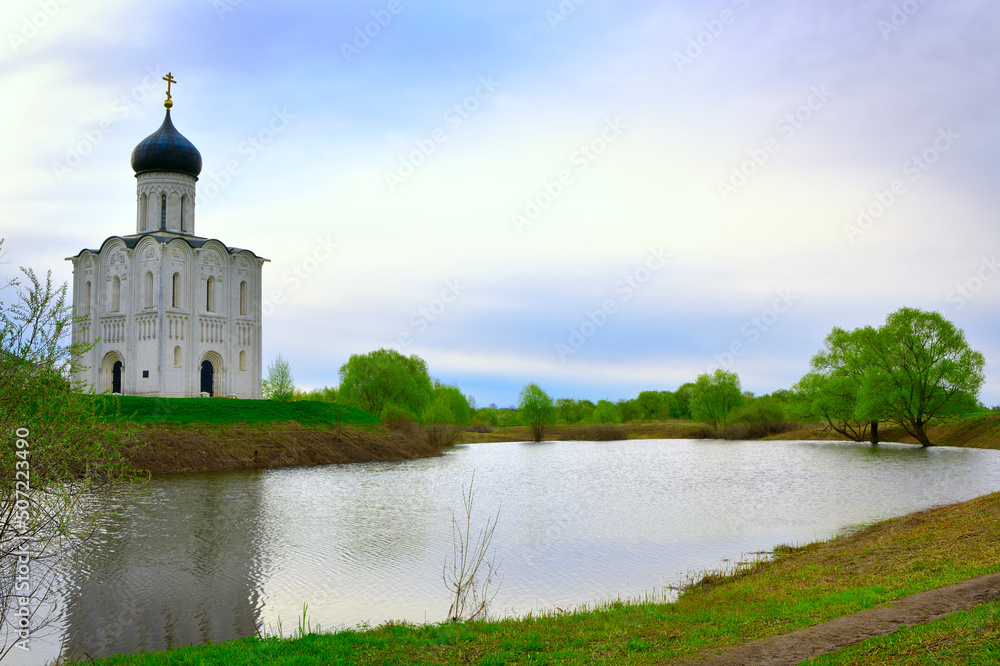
[(169, 78)]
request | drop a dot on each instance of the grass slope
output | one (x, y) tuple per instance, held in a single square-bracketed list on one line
[(217, 410), (800, 587)]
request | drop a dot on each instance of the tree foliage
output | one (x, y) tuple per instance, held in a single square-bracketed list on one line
[(919, 367), (536, 409), (574, 411), (831, 390), (325, 394), (383, 377), (606, 412), (683, 397), (279, 384), (453, 401), (715, 396), (915, 368)]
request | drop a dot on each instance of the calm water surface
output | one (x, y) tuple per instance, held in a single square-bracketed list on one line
[(206, 556)]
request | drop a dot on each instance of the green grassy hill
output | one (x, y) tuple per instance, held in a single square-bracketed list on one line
[(215, 410)]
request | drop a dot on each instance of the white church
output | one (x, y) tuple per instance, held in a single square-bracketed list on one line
[(170, 313)]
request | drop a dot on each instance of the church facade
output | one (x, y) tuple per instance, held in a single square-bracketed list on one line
[(169, 313)]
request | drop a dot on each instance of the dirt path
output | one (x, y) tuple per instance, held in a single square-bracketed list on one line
[(793, 647)]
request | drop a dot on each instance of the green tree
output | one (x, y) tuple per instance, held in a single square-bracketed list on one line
[(456, 402), (486, 416), (683, 397), (508, 418), (565, 409), (715, 396), (606, 412), (649, 406), (325, 394), (918, 368), (67, 447), (536, 409), (671, 410), (761, 411), (440, 421), (279, 384), (379, 378), (831, 390), (628, 409)]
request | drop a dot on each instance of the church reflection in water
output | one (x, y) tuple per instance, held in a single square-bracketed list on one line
[(181, 565)]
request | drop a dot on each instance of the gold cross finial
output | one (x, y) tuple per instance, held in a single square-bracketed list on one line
[(169, 78)]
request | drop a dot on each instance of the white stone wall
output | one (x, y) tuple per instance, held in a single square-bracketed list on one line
[(167, 333)]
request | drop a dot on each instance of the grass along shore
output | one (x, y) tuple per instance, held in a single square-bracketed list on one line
[(215, 434), (801, 586)]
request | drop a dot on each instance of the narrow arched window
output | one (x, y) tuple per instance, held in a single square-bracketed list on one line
[(163, 211), (143, 202), (243, 360), (86, 299), (116, 294), (243, 297), (175, 299), (177, 357), (184, 213), (210, 294), (149, 289)]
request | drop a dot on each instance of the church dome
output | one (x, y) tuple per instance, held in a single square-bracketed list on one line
[(166, 149)]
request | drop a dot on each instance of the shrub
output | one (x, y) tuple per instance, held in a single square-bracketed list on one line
[(398, 418)]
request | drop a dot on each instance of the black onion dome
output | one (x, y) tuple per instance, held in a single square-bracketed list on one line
[(166, 149)]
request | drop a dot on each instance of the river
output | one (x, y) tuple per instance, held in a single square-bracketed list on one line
[(201, 557)]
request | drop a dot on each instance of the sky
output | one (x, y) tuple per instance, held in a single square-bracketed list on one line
[(602, 198)]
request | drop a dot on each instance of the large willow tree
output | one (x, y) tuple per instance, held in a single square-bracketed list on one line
[(914, 369)]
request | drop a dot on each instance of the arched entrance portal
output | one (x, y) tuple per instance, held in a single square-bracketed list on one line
[(207, 377), (116, 377)]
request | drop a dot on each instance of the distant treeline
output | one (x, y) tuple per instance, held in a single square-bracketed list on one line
[(914, 369)]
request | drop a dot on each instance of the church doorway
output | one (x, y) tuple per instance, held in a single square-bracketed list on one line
[(207, 377), (116, 377)]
